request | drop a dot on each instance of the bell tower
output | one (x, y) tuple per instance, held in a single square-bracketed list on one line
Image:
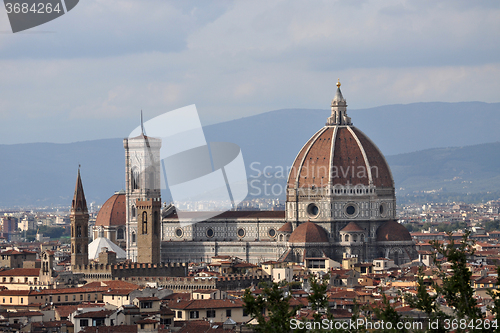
[(142, 172), (79, 226), (149, 230)]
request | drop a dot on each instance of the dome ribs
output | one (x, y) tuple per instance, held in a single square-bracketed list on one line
[(315, 166), (348, 164), (381, 173)]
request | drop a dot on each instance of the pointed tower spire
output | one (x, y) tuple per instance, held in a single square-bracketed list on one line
[(79, 226), (339, 110), (142, 126), (79, 203)]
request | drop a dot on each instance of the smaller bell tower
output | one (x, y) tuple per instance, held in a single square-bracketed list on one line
[(79, 226), (148, 230)]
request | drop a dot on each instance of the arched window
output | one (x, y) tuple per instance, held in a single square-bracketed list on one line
[(133, 211), (144, 223), (346, 238), (119, 233), (78, 248), (134, 178), (133, 237), (78, 231)]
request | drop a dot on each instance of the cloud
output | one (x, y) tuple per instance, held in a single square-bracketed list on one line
[(109, 59)]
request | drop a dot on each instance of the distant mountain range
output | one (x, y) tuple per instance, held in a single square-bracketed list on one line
[(44, 174)]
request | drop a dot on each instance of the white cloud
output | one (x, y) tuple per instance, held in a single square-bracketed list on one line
[(108, 59)]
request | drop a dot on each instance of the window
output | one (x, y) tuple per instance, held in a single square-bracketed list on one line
[(119, 233), (74, 297), (81, 297), (78, 231), (210, 313), (58, 298), (144, 223), (11, 299), (179, 314), (194, 314), (228, 313), (4, 299), (66, 298), (22, 300), (133, 237), (147, 305)]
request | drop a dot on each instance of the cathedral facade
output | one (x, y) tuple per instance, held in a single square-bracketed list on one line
[(340, 200)]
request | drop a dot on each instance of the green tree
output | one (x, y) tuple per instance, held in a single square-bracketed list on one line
[(495, 296), (456, 287), (318, 299), (427, 303), (385, 312), (271, 302)]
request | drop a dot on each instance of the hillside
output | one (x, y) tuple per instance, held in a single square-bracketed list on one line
[(43, 174)]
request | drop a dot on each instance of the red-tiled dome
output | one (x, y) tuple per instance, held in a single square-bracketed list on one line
[(392, 231), (287, 227), (352, 227), (113, 212), (309, 232), (356, 160)]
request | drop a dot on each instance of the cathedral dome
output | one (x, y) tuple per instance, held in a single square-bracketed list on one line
[(113, 212), (339, 154), (392, 231), (308, 232)]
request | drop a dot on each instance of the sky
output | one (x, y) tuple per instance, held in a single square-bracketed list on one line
[(87, 74)]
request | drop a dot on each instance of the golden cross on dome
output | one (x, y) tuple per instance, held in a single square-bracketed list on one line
[(338, 83)]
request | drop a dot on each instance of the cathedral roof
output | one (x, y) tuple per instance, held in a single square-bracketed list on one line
[(79, 204), (308, 232), (392, 231), (339, 154), (113, 212), (352, 227), (101, 242), (287, 227)]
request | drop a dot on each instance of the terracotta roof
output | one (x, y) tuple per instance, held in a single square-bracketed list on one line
[(65, 310), (110, 329), (148, 298), (287, 227), (309, 232), (239, 214), (51, 324), (14, 292), (113, 284), (314, 163), (113, 212), (352, 226), (95, 314), (22, 314), (392, 231), (21, 272)]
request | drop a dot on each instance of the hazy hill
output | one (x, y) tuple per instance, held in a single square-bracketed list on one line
[(41, 174)]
